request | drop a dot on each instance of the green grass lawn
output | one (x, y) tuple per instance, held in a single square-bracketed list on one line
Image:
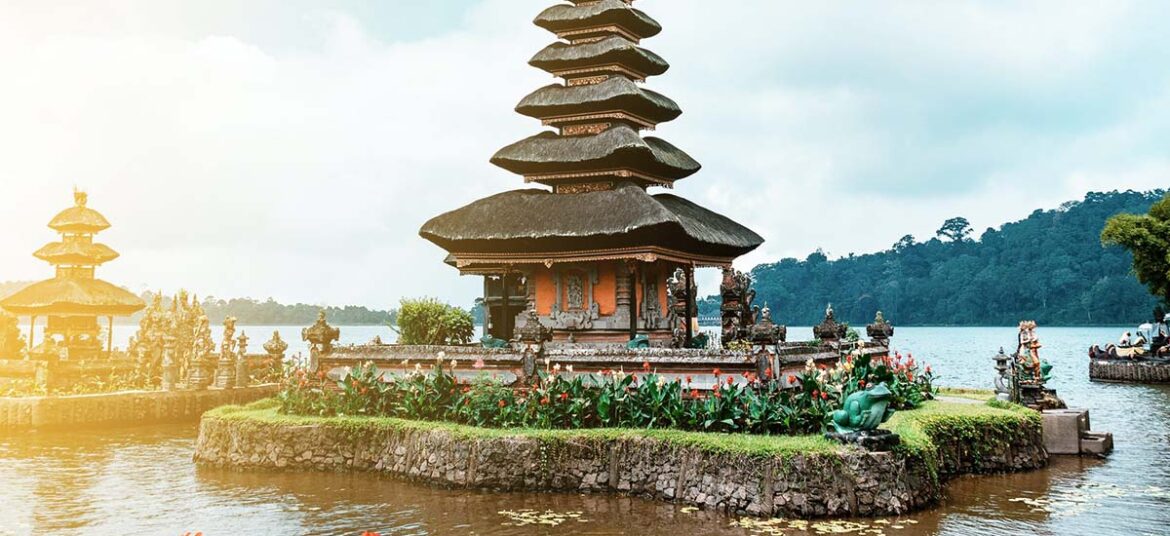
[(917, 428)]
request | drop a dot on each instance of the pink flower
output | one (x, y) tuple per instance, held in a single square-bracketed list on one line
[(478, 364)]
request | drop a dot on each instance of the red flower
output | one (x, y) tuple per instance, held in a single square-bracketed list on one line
[(824, 396), (718, 394), (730, 380), (791, 378), (861, 384), (466, 389), (363, 390), (502, 403), (928, 369), (688, 379), (695, 393), (816, 394), (768, 373), (544, 401), (716, 372), (646, 366), (821, 366), (633, 378), (564, 397)]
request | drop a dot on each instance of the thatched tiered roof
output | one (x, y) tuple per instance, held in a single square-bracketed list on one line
[(617, 93), (76, 252), (73, 297), (79, 218), (559, 57), (567, 18), (619, 147), (539, 221), (597, 162)]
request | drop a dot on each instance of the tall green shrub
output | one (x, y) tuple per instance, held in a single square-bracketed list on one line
[(429, 321)]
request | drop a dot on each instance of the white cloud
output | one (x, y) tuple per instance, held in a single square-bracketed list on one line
[(235, 163)]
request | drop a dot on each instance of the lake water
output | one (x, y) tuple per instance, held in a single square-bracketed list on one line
[(141, 480)]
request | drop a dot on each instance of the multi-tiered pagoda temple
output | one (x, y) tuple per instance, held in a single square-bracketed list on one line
[(593, 251), (74, 299)]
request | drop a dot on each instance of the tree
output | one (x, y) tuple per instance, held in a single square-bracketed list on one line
[(1148, 239), (903, 243), (430, 322), (955, 229)]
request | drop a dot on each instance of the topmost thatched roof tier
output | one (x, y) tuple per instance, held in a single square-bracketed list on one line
[(567, 18), (79, 218), (539, 221), (561, 57)]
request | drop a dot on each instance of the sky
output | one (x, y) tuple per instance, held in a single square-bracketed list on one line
[(292, 149)]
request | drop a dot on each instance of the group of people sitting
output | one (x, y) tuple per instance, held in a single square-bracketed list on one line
[(1132, 346)]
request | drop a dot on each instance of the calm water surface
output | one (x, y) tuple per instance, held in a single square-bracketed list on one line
[(141, 481)]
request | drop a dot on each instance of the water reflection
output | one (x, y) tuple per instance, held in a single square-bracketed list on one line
[(141, 481)]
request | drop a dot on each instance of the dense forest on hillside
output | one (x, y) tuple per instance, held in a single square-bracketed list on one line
[(250, 312), (1050, 267)]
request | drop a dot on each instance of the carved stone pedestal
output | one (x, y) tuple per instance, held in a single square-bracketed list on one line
[(874, 440)]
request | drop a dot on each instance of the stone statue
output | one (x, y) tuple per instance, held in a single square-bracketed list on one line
[(766, 333), (737, 310), (321, 335), (225, 370), (12, 345), (829, 330), (202, 346), (275, 346), (880, 330), (243, 369), (864, 410)]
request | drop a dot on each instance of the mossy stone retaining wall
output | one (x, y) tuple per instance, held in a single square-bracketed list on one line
[(1129, 371), (763, 476), (124, 408)]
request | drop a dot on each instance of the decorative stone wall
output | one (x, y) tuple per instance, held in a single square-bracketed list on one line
[(1129, 371), (127, 408), (844, 482)]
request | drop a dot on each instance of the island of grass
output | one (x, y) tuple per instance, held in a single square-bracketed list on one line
[(764, 475)]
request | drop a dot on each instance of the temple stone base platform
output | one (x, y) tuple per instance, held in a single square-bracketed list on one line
[(828, 480), (120, 409), (1129, 371), (1066, 432)]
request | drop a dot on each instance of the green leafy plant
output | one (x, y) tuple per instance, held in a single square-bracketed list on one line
[(428, 321)]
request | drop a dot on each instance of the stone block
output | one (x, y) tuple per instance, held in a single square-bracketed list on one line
[(1099, 443), (1063, 429)]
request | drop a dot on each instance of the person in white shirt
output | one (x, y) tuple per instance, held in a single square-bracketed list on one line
[(1124, 341)]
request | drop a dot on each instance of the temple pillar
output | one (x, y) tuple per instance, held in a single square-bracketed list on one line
[(690, 275), (32, 333), (505, 307), (110, 337), (631, 284)]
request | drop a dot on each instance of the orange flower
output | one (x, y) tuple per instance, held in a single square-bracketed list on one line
[(694, 393), (716, 372), (768, 373), (544, 401), (791, 378), (502, 403)]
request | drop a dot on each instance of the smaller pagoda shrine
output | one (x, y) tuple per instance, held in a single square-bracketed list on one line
[(74, 300)]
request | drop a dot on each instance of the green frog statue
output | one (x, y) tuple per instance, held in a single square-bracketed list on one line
[(861, 414)]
